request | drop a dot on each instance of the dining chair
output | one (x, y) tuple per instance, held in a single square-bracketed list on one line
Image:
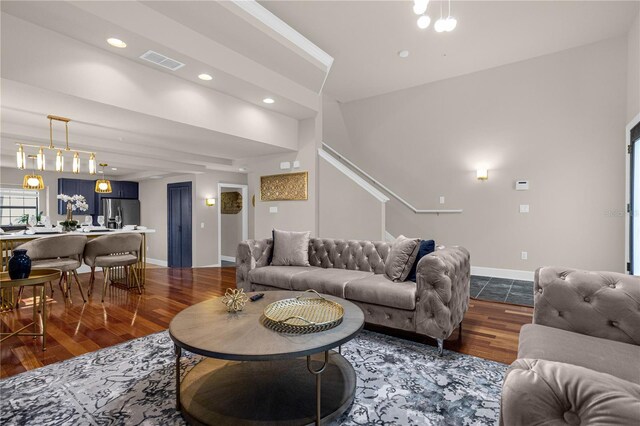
[(62, 252), (114, 250)]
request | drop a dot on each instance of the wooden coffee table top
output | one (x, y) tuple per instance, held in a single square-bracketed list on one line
[(208, 329)]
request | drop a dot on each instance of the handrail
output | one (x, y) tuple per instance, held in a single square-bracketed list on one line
[(353, 176), (386, 189)]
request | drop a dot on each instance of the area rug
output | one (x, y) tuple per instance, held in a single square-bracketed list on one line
[(399, 383)]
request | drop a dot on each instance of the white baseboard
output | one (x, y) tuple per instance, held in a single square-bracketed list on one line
[(156, 262), (511, 274), (213, 265), (228, 258)]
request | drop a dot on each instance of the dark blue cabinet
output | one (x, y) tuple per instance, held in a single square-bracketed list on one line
[(119, 188), (77, 187), (123, 189)]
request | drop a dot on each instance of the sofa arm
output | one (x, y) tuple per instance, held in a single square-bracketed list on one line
[(599, 304), (251, 254), (540, 392), (442, 295)]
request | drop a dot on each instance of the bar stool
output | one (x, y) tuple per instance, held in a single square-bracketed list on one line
[(62, 252), (115, 250)]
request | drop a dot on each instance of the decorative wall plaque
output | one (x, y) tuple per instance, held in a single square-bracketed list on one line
[(284, 187), (230, 202)]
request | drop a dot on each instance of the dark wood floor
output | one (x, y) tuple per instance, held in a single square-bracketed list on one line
[(490, 328)]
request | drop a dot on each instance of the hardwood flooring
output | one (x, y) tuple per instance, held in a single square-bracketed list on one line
[(490, 329)]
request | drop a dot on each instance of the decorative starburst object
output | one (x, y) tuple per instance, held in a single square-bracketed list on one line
[(235, 299)]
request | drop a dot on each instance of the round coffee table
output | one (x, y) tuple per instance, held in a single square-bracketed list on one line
[(256, 376)]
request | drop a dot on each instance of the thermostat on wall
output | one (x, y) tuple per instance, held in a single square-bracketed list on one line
[(522, 185)]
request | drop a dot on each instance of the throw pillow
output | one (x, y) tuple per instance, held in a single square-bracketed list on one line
[(402, 256), (426, 247), (290, 248)]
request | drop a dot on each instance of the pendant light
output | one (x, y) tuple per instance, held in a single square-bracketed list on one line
[(59, 162), (76, 163), (33, 181), (40, 161), (447, 24), (92, 164), (103, 186), (20, 158)]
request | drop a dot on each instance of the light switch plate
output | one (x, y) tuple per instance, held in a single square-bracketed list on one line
[(202, 225), (285, 165), (524, 208), (442, 199), (524, 255), (273, 209), (296, 164)]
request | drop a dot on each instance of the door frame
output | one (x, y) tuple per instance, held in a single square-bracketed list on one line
[(186, 184), (627, 198), (245, 213)]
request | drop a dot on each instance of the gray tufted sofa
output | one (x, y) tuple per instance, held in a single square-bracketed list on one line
[(579, 362), (354, 270)]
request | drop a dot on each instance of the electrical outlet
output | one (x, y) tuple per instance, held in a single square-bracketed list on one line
[(524, 255), (524, 208), (273, 209), (442, 199)]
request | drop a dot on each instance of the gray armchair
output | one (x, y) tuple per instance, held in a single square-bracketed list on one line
[(579, 362)]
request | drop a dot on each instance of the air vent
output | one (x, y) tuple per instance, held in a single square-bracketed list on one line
[(163, 61)]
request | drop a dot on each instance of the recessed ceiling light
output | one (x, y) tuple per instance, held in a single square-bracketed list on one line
[(268, 100), (242, 169), (403, 53), (116, 42), (205, 77), (100, 171), (114, 168)]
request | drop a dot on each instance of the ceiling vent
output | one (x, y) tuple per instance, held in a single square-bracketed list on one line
[(160, 59)]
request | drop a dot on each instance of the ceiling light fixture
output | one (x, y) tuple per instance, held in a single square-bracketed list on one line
[(403, 53), (447, 24), (420, 6), (103, 186), (116, 42), (268, 100), (205, 77), (33, 181), (41, 163), (423, 22)]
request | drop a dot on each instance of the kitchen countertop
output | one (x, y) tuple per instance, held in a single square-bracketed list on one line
[(21, 236)]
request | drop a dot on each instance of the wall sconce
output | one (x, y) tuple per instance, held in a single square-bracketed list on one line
[(482, 174), (210, 201)]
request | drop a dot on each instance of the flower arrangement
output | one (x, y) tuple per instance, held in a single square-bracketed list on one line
[(74, 202)]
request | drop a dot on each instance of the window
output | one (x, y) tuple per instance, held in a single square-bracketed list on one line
[(14, 203)]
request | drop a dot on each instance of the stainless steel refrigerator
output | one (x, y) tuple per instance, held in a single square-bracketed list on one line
[(128, 210)]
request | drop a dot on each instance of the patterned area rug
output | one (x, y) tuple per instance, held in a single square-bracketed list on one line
[(399, 382)]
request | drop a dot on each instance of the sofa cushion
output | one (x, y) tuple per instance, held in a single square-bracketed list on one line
[(604, 355), (380, 290), (425, 247), (290, 248), (401, 258), (329, 281), (278, 276)]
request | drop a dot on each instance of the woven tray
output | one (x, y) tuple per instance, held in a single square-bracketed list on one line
[(302, 315)]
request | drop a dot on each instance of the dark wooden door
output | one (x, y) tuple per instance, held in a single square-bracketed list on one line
[(179, 224)]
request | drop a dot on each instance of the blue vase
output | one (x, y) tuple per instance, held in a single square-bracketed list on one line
[(19, 265)]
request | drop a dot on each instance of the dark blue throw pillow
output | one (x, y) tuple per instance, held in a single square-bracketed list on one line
[(426, 247), (273, 240)]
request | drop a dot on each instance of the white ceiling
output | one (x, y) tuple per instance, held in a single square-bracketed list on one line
[(141, 118), (365, 36)]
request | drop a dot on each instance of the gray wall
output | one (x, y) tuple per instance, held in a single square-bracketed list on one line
[(346, 211), (557, 120), (291, 215), (153, 210), (231, 228)]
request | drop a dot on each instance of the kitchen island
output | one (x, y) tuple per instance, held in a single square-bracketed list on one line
[(10, 241)]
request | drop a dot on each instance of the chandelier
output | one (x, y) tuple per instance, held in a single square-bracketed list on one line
[(443, 24), (21, 156)]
